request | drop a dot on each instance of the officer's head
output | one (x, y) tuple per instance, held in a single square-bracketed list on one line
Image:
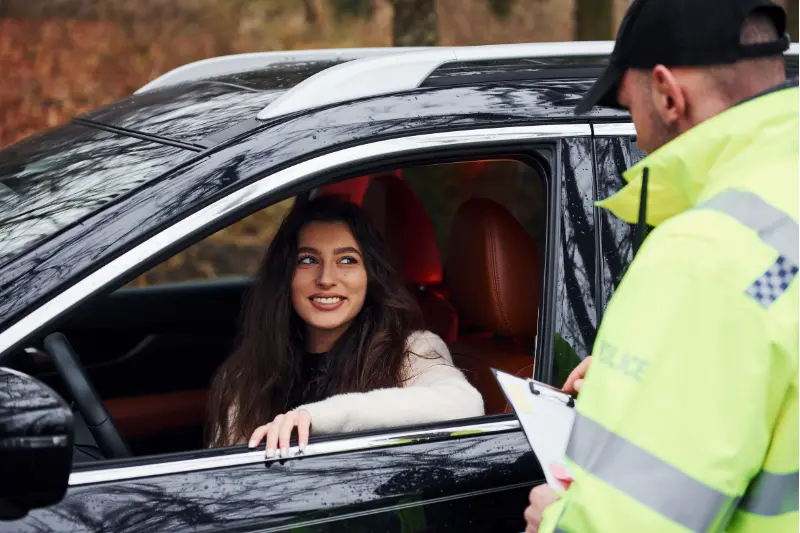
[(677, 63)]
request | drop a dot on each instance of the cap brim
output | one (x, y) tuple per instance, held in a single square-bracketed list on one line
[(603, 92)]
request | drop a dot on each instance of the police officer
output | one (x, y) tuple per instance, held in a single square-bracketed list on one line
[(688, 416)]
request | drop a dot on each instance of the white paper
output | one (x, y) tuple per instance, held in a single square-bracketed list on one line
[(545, 418)]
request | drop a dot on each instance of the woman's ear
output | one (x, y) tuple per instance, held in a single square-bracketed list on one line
[(668, 96)]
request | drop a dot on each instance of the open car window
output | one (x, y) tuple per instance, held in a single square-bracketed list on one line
[(151, 347)]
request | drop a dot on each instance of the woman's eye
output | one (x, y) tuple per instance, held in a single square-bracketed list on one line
[(349, 260), (307, 260)]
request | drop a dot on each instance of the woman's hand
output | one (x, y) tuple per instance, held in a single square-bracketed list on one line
[(279, 431), (575, 380)]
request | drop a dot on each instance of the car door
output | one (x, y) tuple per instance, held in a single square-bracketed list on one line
[(460, 475)]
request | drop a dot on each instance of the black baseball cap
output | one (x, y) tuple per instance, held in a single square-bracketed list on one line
[(682, 33)]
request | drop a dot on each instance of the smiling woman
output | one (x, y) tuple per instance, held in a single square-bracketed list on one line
[(329, 284), (332, 341)]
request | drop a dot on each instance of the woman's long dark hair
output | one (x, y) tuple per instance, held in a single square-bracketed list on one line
[(262, 375)]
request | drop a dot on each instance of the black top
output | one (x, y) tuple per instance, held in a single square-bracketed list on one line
[(312, 367)]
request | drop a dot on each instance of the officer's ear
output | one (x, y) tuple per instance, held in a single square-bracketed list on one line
[(669, 99)]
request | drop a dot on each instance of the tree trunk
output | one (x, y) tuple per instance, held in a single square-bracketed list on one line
[(415, 23), (311, 11), (594, 20)]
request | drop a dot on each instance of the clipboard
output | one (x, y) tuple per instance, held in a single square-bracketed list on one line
[(546, 415)]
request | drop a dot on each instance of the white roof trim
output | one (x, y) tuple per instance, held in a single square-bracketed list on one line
[(406, 70), (231, 64)]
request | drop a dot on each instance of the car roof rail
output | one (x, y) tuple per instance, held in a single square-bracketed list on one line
[(407, 70), (233, 64)]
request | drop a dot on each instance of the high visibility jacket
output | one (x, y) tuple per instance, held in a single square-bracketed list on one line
[(688, 418)]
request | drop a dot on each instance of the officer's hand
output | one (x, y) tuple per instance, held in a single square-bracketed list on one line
[(575, 380), (541, 496)]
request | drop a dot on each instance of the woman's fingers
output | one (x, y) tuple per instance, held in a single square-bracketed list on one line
[(285, 432), (272, 435), (279, 433), (303, 427), (258, 435)]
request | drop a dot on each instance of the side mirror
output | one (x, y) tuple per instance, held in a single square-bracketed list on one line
[(36, 435)]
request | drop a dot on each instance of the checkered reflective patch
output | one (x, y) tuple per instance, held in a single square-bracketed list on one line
[(773, 283)]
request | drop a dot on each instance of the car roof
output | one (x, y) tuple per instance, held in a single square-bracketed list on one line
[(197, 103), (208, 102)]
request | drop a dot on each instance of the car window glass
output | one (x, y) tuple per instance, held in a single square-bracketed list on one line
[(51, 181)]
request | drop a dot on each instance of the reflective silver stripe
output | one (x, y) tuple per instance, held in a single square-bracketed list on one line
[(774, 227), (771, 494), (645, 478)]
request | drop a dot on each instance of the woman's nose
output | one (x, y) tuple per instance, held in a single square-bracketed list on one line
[(325, 275)]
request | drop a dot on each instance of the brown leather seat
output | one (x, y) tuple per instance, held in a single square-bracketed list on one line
[(493, 275), (401, 218)]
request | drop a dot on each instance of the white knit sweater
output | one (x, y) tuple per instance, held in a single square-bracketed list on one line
[(433, 390)]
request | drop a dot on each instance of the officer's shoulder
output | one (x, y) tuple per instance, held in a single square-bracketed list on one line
[(687, 239)]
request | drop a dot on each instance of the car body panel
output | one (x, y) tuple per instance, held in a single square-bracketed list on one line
[(443, 485), (186, 113)]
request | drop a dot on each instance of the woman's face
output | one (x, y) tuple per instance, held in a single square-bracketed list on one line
[(330, 281)]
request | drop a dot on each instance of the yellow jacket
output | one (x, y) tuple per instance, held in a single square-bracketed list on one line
[(688, 418)]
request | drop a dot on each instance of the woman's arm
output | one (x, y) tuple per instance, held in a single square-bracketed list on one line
[(434, 390)]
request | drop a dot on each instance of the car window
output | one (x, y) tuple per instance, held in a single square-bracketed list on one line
[(151, 347), (231, 253)]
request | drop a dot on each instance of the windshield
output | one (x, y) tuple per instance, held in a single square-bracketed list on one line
[(50, 181)]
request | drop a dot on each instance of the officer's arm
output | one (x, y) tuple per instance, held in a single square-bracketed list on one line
[(674, 417)]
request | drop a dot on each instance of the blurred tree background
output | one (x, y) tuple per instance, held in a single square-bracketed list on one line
[(61, 58)]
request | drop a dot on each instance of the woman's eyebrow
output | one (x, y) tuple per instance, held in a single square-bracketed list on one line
[(346, 250), (307, 250)]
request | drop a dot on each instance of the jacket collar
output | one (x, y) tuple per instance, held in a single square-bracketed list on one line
[(680, 171)]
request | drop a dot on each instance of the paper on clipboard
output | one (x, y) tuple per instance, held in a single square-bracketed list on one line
[(546, 418)]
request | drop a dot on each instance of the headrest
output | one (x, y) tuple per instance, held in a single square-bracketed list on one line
[(400, 217), (493, 270), (351, 190)]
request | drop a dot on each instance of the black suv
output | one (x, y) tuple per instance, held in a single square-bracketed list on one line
[(413, 136)]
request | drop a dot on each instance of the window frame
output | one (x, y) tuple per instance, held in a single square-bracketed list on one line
[(267, 189)]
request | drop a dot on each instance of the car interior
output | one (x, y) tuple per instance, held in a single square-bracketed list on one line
[(468, 239)]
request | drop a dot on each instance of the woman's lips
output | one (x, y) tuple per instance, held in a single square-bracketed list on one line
[(331, 303)]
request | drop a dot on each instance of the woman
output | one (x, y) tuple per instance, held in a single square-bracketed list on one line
[(331, 341)]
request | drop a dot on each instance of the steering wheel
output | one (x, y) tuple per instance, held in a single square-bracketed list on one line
[(86, 398)]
